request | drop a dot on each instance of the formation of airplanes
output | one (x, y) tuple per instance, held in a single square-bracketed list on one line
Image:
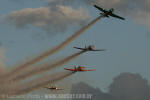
[(78, 68), (105, 13)]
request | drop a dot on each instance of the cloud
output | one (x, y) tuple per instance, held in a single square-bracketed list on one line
[(126, 86), (83, 88), (77, 3), (51, 19), (129, 86)]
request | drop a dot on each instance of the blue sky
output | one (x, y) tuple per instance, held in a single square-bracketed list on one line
[(127, 45)]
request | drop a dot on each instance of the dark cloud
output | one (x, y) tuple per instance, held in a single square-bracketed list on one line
[(126, 86), (83, 88), (129, 86)]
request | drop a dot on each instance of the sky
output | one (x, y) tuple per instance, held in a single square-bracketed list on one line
[(127, 44)]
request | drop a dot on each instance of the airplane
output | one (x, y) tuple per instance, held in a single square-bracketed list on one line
[(108, 13), (53, 88), (89, 48), (78, 69)]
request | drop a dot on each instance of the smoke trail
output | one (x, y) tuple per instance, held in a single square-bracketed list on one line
[(41, 82), (46, 67), (3, 58), (50, 52)]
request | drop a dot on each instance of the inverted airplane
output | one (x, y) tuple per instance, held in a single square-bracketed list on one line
[(108, 13), (78, 69), (90, 48), (53, 88)]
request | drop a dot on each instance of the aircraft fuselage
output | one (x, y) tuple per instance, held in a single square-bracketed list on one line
[(109, 12)]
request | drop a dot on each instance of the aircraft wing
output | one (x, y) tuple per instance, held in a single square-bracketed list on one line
[(60, 89), (69, 69), (99, 50), (99, 8), (54, 89), (80, 48), (47, 87), (116, 16), (90, 70)]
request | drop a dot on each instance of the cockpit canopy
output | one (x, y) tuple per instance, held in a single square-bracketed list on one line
[(112, 10), (91, 47)]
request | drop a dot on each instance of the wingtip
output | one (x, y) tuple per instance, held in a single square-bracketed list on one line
[(95, 5), (105, 50), (123, 19), (75, 47)]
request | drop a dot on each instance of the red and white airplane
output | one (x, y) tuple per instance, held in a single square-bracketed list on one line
[(79, 69), (90, 48), (53, 88)]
